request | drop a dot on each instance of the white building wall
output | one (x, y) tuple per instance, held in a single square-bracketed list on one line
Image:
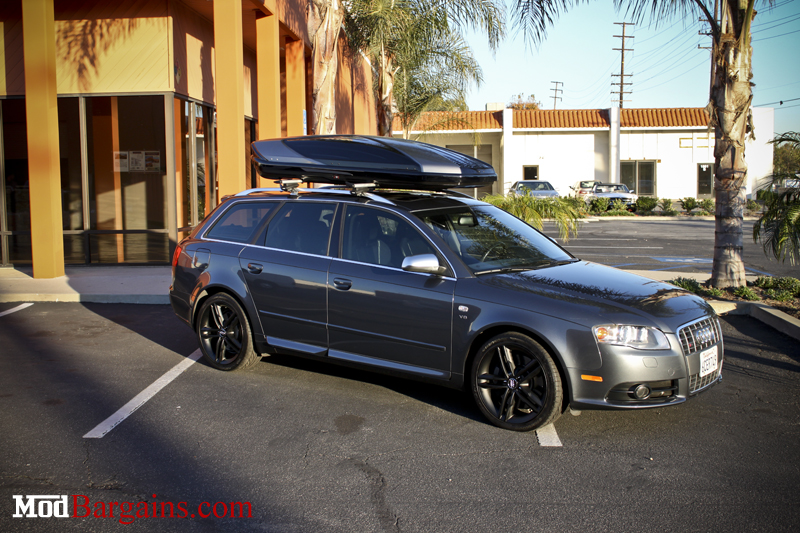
[(759, 153), (562, 157)]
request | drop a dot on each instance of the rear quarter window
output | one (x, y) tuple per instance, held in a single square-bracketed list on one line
[(240, 222)]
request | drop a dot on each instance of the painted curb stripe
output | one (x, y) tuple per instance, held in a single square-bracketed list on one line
[(547, 436), (140, 399), (15, 309)]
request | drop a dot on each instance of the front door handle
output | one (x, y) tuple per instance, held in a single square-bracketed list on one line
[(254, 268), (342, 284)]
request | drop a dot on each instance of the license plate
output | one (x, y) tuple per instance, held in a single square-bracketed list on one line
[(708, 361)]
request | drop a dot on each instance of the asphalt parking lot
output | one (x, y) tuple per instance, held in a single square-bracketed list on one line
[(310, 447), (679, 245)]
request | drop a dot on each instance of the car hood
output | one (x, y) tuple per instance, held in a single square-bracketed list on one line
[(591, 294), (543, 193), (615, 195)]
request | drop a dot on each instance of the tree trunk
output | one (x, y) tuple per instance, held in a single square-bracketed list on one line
[(729, 108), (385, 93), (324, 26)]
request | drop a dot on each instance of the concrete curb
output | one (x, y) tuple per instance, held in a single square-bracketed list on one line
[(768, 315), (149, 299)]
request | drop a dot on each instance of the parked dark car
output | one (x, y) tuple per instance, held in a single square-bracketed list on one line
[(390, 271)]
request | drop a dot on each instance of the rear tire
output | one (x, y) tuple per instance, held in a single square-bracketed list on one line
[(224, 333), (516, 383)]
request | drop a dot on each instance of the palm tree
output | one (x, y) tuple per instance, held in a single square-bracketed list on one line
[(779, 225), (418, 40), (324, 27), (728, 108), (534, 210)]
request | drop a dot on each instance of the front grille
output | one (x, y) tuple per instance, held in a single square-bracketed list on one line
[(699, 335), (696, 383)]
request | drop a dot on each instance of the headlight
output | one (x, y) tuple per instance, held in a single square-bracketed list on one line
[(639, 337)]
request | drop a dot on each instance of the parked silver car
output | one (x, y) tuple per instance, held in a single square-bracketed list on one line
[(613, 191), (534, 188)]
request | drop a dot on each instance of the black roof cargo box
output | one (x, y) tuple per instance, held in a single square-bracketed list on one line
[(388, 162)]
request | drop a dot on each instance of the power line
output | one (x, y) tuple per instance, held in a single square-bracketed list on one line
[(779, 102)]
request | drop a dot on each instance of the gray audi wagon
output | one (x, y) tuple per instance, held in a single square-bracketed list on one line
[(386, 267)]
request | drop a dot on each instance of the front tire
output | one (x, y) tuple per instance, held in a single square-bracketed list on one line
[(224, 333), (516, 383)]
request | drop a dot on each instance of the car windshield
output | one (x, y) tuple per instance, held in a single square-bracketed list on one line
[(611, 188), (490, 240), (536, 186)]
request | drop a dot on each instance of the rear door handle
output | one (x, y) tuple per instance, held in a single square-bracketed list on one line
[(254, 268), (342, 284)]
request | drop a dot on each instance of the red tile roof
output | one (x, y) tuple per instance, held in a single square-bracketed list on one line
[(664, 118), (559, 119), (460, 120)]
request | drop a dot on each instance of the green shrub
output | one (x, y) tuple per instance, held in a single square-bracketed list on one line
[(791, 285), (646, 203), (617, 213), (688, 203), (690, 284), (779, 295), (618, 205), (600, 205), (714, 292), (707, 204), (747, 293), (753, 206), (702, 213), (666, 204), (578, 204)]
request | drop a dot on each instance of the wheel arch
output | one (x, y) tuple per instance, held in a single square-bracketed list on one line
[(497, 329), (208, 292)]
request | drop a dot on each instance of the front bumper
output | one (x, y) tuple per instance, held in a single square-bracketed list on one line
[(671, 376)]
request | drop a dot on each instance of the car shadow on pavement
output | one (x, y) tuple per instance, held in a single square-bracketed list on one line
[(454, 401)]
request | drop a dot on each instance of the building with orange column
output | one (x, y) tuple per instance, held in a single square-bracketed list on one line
[(123, 123)]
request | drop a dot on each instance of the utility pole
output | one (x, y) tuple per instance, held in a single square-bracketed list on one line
[(622, 83), (556, 90)]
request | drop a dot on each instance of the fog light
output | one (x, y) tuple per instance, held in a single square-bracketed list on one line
[(642, 392)]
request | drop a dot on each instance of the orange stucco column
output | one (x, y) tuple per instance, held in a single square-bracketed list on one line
[(230, 96), (269, 77), (44, 169), (295, 87)]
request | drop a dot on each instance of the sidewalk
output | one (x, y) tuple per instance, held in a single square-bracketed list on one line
[(98, 284), (150, 285)]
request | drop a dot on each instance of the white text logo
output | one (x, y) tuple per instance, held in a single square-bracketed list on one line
[(41, 506)]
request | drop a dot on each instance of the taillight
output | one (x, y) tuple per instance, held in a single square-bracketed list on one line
[(175, 257)]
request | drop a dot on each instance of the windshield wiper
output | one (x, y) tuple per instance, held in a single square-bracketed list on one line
[(523, 268)]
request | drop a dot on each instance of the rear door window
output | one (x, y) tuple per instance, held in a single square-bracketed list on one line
[(301, 227)]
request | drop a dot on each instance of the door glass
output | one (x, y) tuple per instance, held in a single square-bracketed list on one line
[(647, 179), (17, 194), (705, 179), (301, 228), (380, 238), (627, 174), (530, 173), (199, 147)]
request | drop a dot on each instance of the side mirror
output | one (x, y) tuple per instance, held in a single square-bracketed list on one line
[(632, 191), (424, 263)]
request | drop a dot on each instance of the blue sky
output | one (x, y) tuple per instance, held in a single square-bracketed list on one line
[(669, 70)]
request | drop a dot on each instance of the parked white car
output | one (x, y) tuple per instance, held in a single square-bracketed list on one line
[(613, 191), (534, 188)]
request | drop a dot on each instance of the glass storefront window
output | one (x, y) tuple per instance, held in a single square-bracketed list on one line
[(127, 176), (16, 226)]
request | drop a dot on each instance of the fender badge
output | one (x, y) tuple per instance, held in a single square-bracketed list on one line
[(463, 308)]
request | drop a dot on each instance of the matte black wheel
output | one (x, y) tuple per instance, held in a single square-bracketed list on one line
[(224, 334), (516, 383)]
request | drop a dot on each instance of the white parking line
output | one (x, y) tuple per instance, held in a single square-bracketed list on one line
[(140, 399), (15, 309), (547, 436)]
